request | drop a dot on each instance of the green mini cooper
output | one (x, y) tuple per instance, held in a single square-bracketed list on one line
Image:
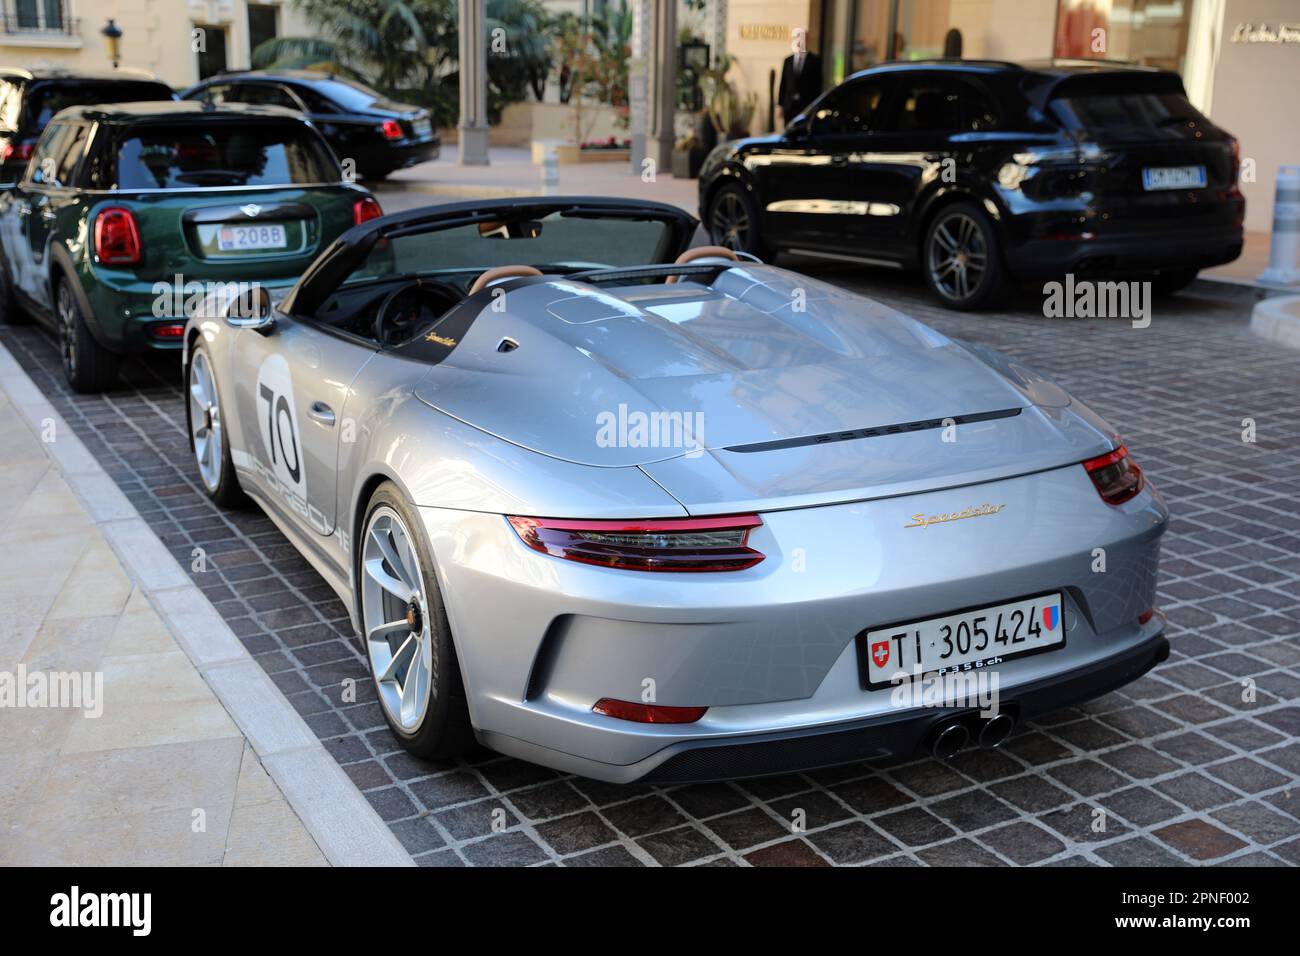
[(130, 213)]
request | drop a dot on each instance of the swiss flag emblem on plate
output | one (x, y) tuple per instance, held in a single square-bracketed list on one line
[(880, 653)]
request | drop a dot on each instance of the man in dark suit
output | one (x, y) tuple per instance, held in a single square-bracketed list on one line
[(801, 79)]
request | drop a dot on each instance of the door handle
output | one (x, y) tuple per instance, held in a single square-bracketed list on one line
[(322, 413), (839, 159)]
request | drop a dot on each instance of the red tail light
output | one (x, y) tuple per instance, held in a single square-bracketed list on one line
[(392, 129), (117, 239), (363, 210), (668, 544), (22, 152), (167, 330), (648, 713), (1117, 476)]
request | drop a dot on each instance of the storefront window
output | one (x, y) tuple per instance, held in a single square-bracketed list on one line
[(1149, 32), (858, 33)]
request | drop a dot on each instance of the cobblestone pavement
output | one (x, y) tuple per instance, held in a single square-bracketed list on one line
[(1184, 770)]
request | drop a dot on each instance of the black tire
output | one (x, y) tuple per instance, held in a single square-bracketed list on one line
[(733, 223), (445, 730), (961, 258), (10, 313), (1172, 280), (88, 366), (226, 490)]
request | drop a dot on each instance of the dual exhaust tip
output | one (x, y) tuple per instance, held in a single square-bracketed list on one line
[(951, 738)]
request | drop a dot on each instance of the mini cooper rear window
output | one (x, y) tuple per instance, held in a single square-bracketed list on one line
[(48, 98), (190, 155)]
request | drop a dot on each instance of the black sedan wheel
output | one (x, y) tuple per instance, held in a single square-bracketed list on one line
[(961, 259)]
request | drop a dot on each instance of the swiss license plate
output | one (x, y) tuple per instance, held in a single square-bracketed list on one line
[(239, 238), (965, 641), (1173, 177), (423, 127)]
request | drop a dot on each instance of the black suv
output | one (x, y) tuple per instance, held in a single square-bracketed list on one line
[(378, 134), (30, 98), (977, 171)]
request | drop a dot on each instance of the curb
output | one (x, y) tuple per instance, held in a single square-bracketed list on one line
[(342, 822), (1278, 320)]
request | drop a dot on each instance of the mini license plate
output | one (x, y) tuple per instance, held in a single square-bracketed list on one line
[(964, 641), (1173, 177), (239, 238)]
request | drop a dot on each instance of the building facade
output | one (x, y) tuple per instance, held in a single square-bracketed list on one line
[(180, 40)]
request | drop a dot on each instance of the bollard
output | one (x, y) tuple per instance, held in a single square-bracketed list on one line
[(550, 171), (1283, 261)]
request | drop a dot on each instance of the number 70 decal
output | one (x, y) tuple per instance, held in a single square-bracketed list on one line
[(278, 423)]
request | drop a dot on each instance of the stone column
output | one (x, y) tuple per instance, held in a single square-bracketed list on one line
[(473, 127), (638, 80), (663, 84), (715, 30)]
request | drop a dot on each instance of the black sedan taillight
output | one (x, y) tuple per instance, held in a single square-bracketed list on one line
[(658, 544), (1116, 476)]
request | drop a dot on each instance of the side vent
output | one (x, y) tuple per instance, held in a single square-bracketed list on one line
[(507, 344)]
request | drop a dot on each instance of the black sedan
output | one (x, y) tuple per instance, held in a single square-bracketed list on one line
[(977, 172), (379, 135)]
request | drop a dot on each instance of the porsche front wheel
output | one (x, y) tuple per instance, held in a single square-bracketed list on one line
[(406, 633)]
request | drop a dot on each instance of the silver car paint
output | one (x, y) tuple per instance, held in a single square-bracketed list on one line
[(769, 648)]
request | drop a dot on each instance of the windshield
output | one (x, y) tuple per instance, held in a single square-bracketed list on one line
[(46, 99), (552, 240), (183, 156)]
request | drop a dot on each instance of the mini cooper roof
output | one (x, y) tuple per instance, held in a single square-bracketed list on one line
[(125, 74), (169, 110)]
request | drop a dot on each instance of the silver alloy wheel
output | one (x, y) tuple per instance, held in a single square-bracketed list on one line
[(958, 256), (67, 314), (729, 223), (205, 421), (395, 615)]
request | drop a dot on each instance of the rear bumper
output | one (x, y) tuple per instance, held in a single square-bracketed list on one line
[(122, 314), (900, 735), (1134, 253), (409, 154), (770, 650)]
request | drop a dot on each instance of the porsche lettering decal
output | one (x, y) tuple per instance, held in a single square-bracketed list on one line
[(979, 511)]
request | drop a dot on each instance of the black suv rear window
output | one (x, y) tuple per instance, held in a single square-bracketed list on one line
[(222, 153), (1107, 112), (44, 99)]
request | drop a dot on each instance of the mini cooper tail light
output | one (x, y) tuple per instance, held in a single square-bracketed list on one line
[(392, 129), (1116, 476), (647, 713), (117, 238), (363, 210), (660, 544), (167, 331)]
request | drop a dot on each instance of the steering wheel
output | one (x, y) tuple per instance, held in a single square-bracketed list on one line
[(409, 307)]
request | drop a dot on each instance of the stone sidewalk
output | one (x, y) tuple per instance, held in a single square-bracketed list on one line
[(149, 770)]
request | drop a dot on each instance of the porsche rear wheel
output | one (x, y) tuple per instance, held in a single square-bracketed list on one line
[(406, 633), (208, 437)]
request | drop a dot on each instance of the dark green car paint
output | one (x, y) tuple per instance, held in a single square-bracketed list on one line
[(46, 233)]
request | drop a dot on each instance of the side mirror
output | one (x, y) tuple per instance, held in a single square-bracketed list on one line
[(251, 309)]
